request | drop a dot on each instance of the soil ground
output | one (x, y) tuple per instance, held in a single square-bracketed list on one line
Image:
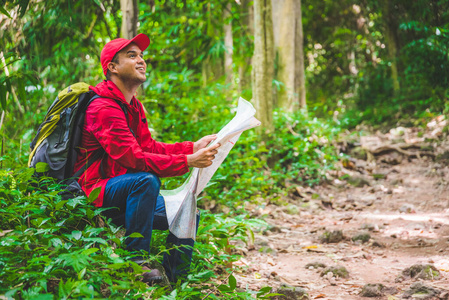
[(404, 207)]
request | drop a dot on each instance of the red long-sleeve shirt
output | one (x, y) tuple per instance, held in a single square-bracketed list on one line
[(106, 127)]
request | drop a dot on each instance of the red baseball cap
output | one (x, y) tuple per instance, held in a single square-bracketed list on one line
[(114, 46)]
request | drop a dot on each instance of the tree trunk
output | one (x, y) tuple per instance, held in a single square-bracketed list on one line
[(263, 64), (392, 44), (286, 50), (227, 27), (130, 12), (300, 77), (290, 47), (244, 61)]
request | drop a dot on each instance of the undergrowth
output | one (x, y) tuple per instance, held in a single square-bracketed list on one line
[(52, 248)]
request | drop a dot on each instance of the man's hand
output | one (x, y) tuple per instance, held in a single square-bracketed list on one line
[(203, 142), (203, 157)]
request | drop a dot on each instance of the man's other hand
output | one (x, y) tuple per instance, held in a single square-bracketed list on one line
[(203, 142), (203, 157)]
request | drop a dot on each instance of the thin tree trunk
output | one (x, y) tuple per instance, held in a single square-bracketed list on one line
[(245, 61), (227, 27), (286, 50), (300, 77), (263, 63), (392, 42), (130, 12), (14, 96)]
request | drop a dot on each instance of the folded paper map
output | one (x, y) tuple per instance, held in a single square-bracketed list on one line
[(180, 203)]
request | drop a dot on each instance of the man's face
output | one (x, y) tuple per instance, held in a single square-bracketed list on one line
[(131, 67)]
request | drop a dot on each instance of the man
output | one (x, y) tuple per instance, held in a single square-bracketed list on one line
[(132, 162)]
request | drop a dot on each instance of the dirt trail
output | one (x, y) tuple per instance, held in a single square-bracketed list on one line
[(404, 208)]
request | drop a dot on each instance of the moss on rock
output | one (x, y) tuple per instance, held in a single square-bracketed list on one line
[(418, 271), (337, 271), (335, 236)]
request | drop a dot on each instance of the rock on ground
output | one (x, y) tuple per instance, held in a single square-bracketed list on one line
[(377, 290), (292, 293), (337, 271), (426, 272), (419, 290)]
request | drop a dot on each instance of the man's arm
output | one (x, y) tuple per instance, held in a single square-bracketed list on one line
[(179, 148), (203, 142), (203, 158), (108, 124)]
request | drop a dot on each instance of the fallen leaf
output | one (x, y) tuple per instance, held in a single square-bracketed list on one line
[(315, 248), (319, 296), (287, 250), (297, 225), (311, 247), (270, 261), (288, 281), (257, 275), (241, 262)]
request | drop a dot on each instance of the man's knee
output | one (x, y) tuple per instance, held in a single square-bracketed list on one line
[(149, 182)]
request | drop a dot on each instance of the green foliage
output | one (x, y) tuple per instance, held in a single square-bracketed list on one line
[(298, 152), (51, 247), (54, 247), (421, 32)]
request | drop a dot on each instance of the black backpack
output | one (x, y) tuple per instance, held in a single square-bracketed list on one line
[(58, 137)]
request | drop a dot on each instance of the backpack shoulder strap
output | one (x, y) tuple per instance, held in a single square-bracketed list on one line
[(125, 110), (100, 152)]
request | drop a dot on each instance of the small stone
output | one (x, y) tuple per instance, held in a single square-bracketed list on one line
[(393, 158), (377, 244), (292, 209), (367, 226), (266, 249), (419, 290), (358, 181), (342, 245), (372, 290), (437, 226), (407, 208), (315, 265), (377, 290), (337, 271), (332, 236), (426, 272), (292, 293), (397, 181), (275, 229), (359, 152), (362, 237), (416, 226), (261, 241), (368, 200)]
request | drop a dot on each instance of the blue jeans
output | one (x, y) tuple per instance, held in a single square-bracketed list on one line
[(139, 208)]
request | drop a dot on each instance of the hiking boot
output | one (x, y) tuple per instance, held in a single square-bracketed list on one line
[(151, 276)]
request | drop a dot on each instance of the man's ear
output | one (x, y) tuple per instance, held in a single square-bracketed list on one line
[(112, 67)]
